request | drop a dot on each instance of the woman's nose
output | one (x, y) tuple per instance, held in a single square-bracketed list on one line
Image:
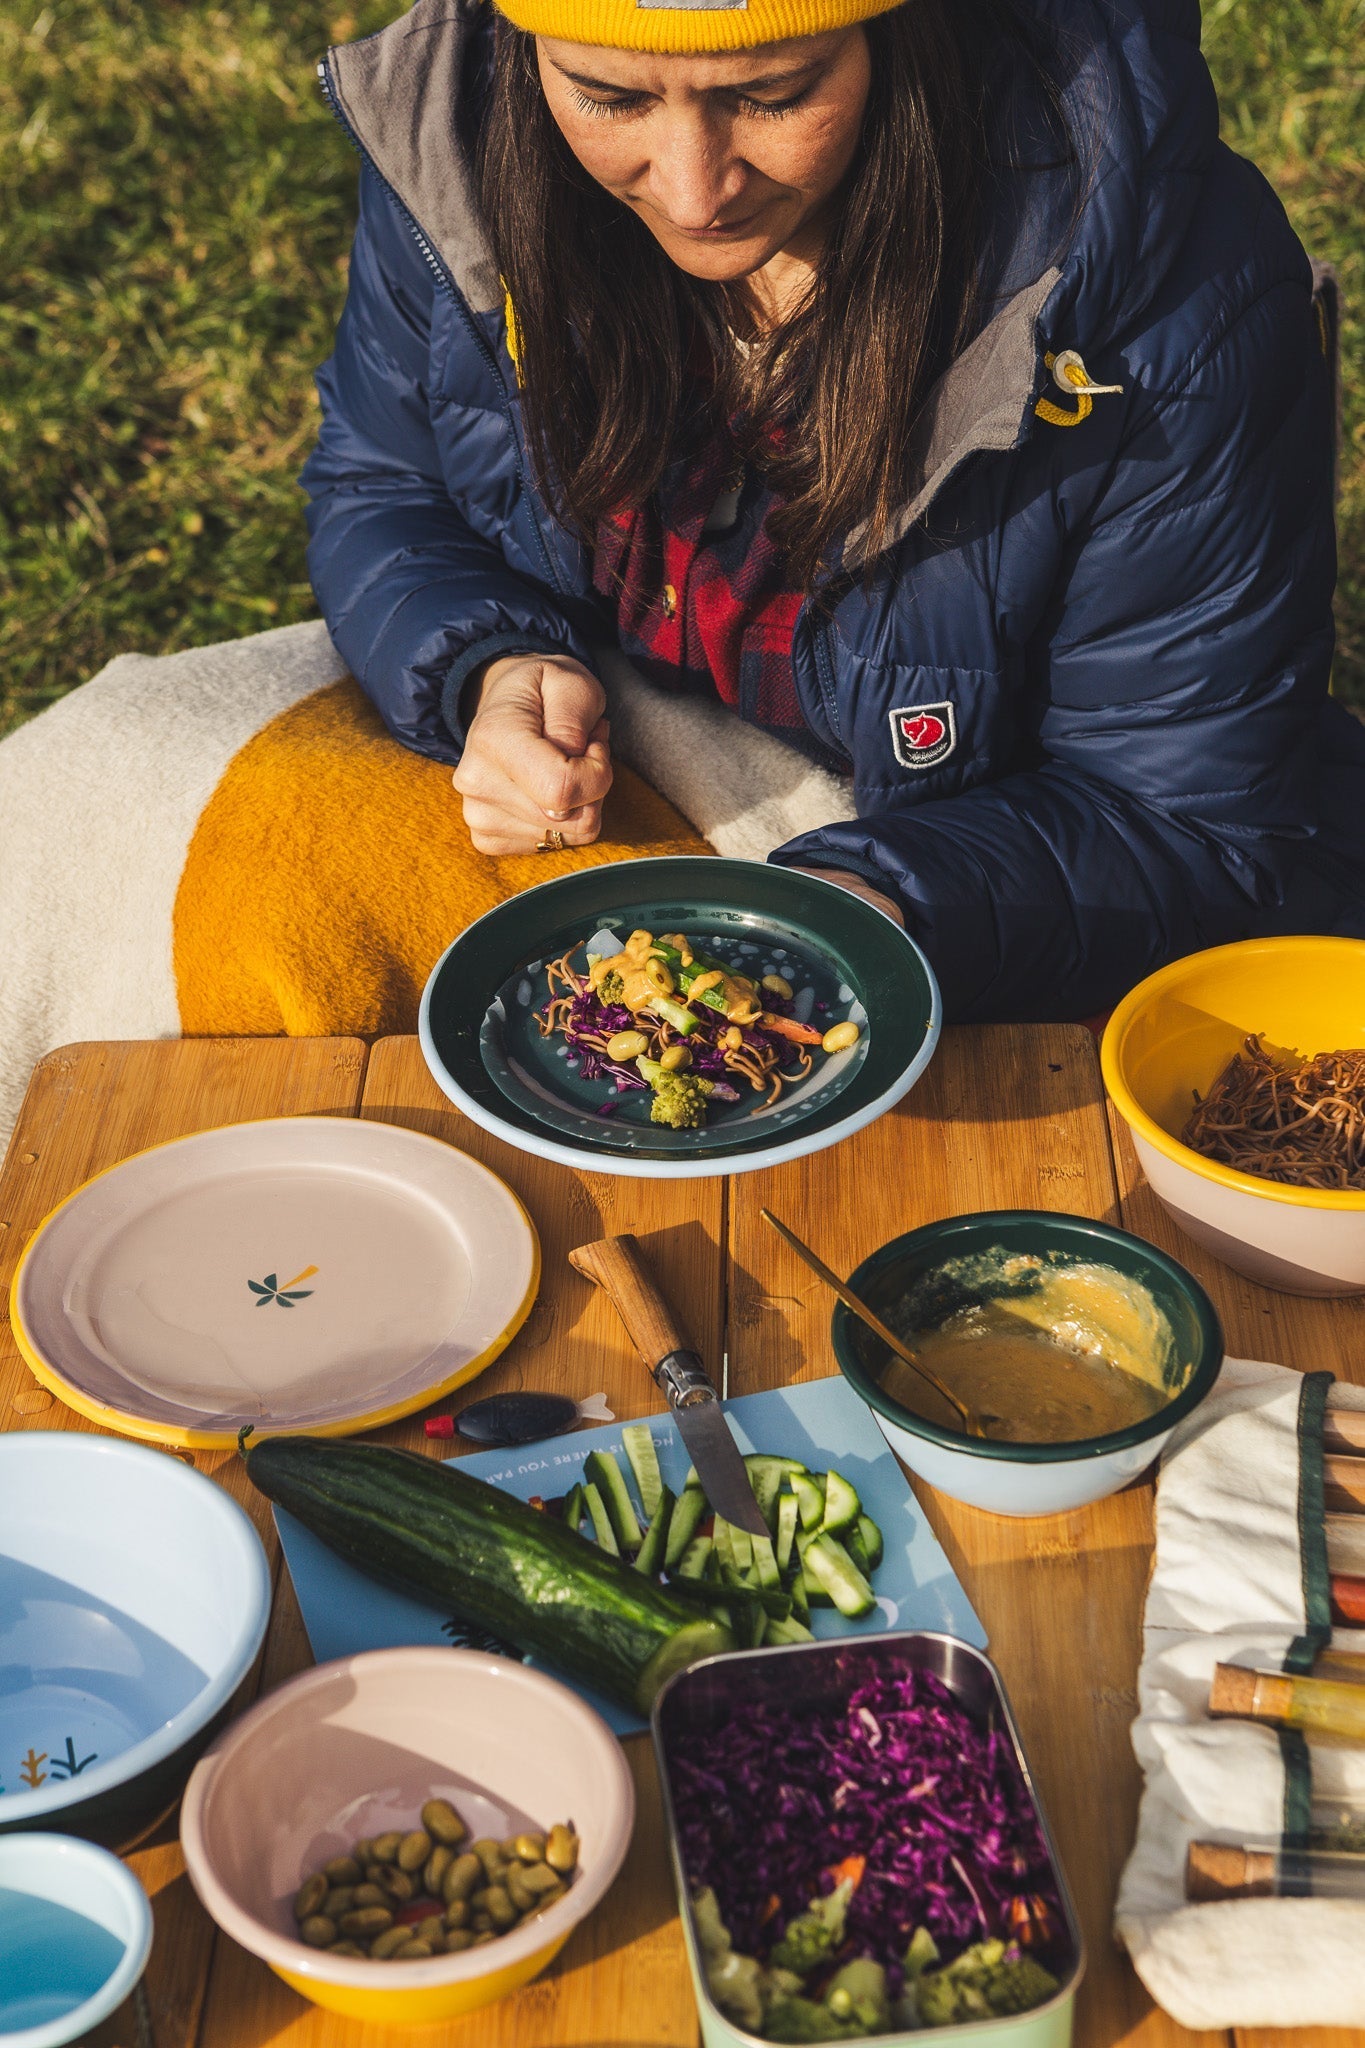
[(693, 177)]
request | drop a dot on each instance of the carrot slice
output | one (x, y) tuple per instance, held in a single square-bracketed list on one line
[(787, 1027), (1348, 1599), (850, 1871)]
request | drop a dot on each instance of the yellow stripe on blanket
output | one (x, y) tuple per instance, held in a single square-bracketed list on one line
[(331, 868)]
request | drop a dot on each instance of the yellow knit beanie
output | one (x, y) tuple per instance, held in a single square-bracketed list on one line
[(681, 25)]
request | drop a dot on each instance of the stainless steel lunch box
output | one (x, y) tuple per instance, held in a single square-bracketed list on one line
[(818, 1676)]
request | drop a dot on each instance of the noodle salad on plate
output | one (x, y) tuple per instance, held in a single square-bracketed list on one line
[(664, 1015)]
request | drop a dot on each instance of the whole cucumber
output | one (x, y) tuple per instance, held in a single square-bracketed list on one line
[(443, 1536)]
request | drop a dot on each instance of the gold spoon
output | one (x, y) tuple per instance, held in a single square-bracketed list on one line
[(974, 1425)]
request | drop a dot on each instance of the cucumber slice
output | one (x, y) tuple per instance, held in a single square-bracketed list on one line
[(741, 1549), (637, 1440), (766, 1475), (724, 1554), (765, 1565), (842, 1505), (651, 1553), (601, 1520), (601, 1469), (688, 1516), (787, 1514), (809, 1488), (793, 1631), (852, 1540), (753, 1624), (872, 1541), (796, 1586), (697, 1556), (673, 1013), (836, 1572), (815, 1593), (574, 1507)]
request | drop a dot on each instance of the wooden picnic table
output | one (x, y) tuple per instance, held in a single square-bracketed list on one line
[(1007, 1116)]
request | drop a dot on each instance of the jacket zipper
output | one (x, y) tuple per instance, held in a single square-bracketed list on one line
[(824, 670), (447, 283)]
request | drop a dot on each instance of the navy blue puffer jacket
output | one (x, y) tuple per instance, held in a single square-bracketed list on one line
[(1083, 696)]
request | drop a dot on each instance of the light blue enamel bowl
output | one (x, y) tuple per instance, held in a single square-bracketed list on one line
[(75, 1934), (134, 1596)]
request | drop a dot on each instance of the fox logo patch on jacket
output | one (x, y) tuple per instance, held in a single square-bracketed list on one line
[(923, 734)]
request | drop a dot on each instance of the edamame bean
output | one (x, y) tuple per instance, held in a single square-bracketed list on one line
[(438, 1863), (385, 1847), (626, 1045), (457, 1939), (518, 1891), (485, 1934), (369, 1895), (310, 1896), (430, 1930), (529, 1848), (442, 1823), (318, 1931), (457, 1913), (366, 1921), (490, 1854), (840, 1036), (561, 1847), (411, 1952), (538, 1877), (389, 1942), (777, 985), (674, 1058), (464, 1874), (499, 1908), (396, 1882), (414, 1850), (342, 1870), (548, 1897), (345, 1948)]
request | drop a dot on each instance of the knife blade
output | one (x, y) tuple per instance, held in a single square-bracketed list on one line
[(619, 1268)]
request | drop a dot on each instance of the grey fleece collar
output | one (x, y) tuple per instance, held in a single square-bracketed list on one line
[(399, 91)]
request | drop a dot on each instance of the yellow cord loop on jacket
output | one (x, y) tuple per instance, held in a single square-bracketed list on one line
[(513, 339), (1070, 374)]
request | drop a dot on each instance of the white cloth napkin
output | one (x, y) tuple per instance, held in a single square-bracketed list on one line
[(1236, 1558)]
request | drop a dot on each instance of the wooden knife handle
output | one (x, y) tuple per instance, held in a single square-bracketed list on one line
[(1345, 1429), (619, 1267)]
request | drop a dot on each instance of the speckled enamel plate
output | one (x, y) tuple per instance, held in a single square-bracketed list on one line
[(486, 1052), (301, 1273)]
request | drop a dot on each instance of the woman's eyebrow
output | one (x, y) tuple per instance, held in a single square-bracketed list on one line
[(767, 83)]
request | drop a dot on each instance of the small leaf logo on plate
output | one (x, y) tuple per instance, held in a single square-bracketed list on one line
[(269, 1289)]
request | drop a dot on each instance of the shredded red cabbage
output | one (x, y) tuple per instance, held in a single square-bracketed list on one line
[(903, 1776)]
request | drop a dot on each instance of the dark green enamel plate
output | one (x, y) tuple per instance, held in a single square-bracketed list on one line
[(486, 1052)]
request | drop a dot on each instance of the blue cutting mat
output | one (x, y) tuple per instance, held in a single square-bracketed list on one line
[(823, 1422)]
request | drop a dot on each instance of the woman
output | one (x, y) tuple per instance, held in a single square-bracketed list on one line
[(927, 381)]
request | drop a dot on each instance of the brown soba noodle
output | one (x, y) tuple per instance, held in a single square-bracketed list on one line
[(1301, 1122)]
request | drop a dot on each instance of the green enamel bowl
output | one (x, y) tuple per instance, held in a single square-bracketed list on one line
[(481, 1043), (1012, 1478)]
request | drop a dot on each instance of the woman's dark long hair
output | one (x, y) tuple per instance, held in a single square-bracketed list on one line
[(609, 332)]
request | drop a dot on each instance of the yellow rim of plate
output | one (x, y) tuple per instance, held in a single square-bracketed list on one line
[(1146, 1127), (148, 1431)]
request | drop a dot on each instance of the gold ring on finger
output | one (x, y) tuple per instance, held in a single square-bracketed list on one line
[(553, 842)]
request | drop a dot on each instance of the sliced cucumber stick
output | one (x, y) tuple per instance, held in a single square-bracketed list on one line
[(809, 1488), (793, 1631), (872, 1540), (697, 1556), (574, 1507), (842, 1505), (638, 1443), (601, 1520), (788, 1515), (688, 1516), (835, 1570), (651, 1553), (601, 1469)]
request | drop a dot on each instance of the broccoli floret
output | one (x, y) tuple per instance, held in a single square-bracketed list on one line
[(923, 1951), (712, 1932), (611, 988), (734, 1981), (858, 1992), (981, 1984), (801, 2019), (812, 1938), (679, 1098)]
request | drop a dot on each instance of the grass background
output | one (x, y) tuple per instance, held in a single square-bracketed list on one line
[(177, 210)]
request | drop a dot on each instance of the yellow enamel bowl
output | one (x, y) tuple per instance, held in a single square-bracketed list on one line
[(354, 1748), (1174, 1033)]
